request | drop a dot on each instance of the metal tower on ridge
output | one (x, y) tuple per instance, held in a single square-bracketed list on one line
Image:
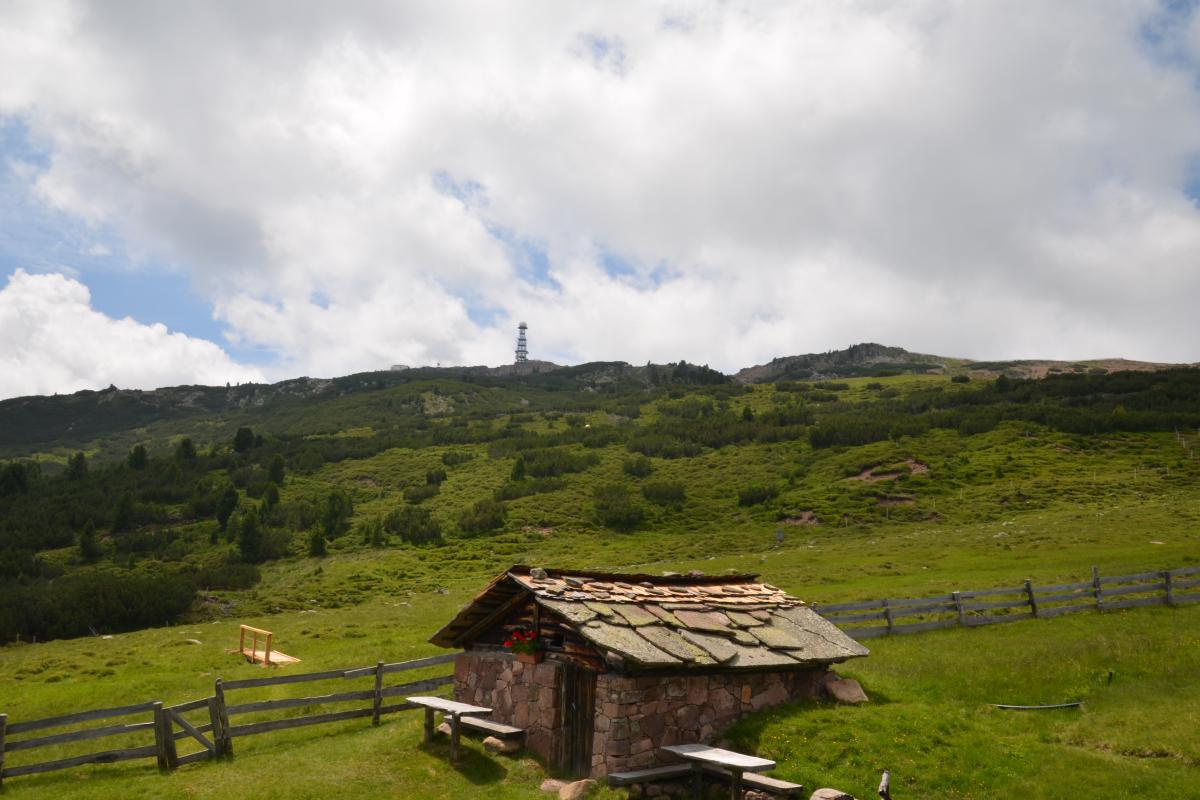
[(522, 348)]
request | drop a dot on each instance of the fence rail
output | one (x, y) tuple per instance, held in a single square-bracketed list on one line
[(1009, 604), (214, 734)]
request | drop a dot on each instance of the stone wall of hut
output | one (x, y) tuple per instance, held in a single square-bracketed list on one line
[(524, 695), (635, 716)]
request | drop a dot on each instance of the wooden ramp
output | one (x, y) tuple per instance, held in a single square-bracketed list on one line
[(267, 656)]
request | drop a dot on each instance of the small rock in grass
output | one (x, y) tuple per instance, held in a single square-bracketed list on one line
[(577, 790), (552, 785), (844, 690), (506, 746), (444, 728), (830, 794)]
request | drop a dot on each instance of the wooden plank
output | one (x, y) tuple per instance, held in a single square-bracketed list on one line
[(1187, 583), (296, 722), (857, 618), (392, 709), (990, 592), (1186, 598), (1144, 588), (279, 680), (1033, 609), (836, 607), (189, 729), (199, 729), (958, 607), (1063, 587), (926, 626), (1097, 587), (82, 716), (106, 757), (192, 758), (1141, 576), (1059, 598), (1185, 570), (297, 702), (432, 661), (913, 611), (190, 706), (493, 728), (401, 666), (887, 615), (988, 604), (921, 601), (1144, 601), (648, 775), (79, 736), (1055, 611), (977, 622), (419, 686), (763, 783)]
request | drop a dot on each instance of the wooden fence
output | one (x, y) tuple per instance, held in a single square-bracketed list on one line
[(214, 733), (871, 618)]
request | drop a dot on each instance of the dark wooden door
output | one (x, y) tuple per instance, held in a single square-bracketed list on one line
[(578, 704)]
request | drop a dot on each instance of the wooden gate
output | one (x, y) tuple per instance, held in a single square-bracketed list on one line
[(578, 704)]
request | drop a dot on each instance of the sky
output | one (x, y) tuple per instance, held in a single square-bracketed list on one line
[(218, 191)]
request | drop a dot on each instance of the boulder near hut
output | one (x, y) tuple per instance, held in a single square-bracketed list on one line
[(617, 665)]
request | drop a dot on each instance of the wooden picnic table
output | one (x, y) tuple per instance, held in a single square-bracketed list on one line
[(701, 755), (449, 708)]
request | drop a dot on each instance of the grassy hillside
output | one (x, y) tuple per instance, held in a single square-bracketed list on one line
[(420, 490)]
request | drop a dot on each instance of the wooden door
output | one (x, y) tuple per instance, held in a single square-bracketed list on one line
[(578, 704)]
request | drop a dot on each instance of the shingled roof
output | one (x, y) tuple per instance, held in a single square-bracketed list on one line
[(665, 622)]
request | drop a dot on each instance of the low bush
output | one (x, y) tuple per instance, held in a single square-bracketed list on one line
[(754, 494), (665, 493)]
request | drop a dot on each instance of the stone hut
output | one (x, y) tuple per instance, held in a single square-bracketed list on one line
[(628, 663)]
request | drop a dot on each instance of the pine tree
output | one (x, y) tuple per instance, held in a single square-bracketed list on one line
[(276, 471), (89, 548), (250, 539), (316, 543)]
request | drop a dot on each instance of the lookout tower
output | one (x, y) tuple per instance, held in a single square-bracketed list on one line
[(522, 348)]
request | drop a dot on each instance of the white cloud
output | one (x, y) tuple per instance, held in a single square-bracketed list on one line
[(54, 341), (782, 177)]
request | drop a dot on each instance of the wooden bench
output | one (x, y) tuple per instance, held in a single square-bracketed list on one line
[(702, 757), (492, 728), (763, 783), (648, 775), (449, 708)]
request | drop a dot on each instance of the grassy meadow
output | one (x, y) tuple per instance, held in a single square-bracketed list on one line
[(909, 515)]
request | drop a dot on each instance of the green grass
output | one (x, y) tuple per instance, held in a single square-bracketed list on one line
[(930, 721), (996, 508)]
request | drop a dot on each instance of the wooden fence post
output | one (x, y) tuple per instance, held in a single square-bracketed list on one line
[(3, 726), (1167, 586), (160, 736), (214, 717), (378, 694), (1032, 600), (887, 615), (168, 737), (958, 604), (1097, 589), (226, 746)]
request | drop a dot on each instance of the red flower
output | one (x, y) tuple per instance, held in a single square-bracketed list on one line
[(508, 642)]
